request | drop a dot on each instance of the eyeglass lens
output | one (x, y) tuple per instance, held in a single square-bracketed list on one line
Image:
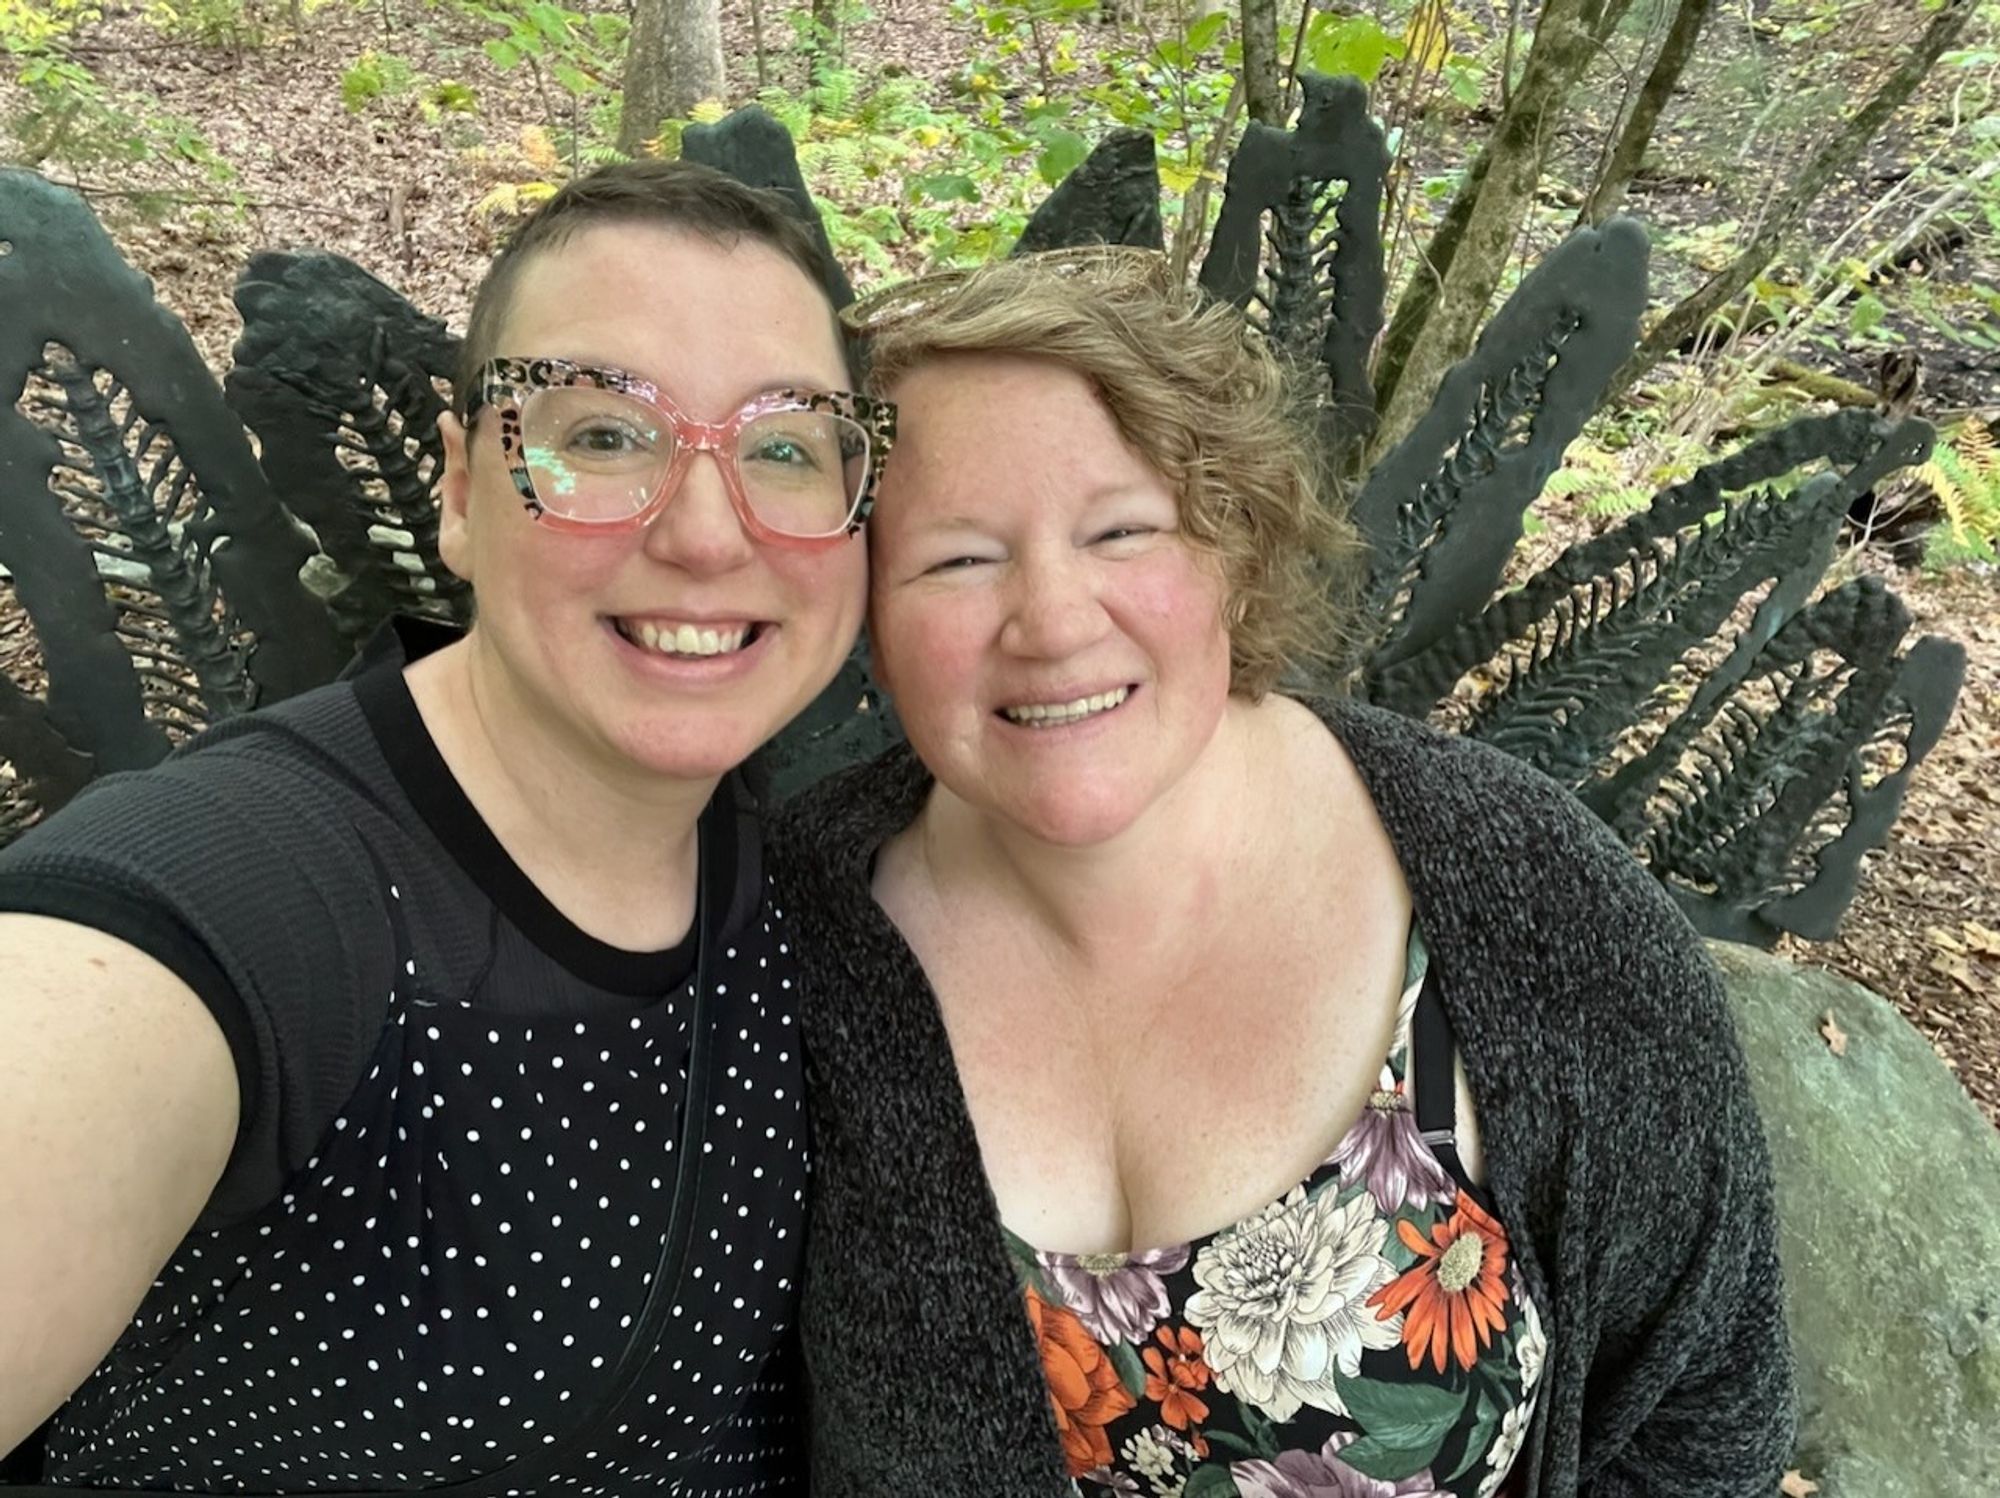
[(599, 455)]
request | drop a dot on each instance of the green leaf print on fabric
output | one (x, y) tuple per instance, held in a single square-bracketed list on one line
[(1479, 1442), (1263, 1435), (1131, 1372), (1405, 1425), (1210, 1481)]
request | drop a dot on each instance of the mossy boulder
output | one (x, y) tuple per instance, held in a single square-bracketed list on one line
[(1888, 1186)]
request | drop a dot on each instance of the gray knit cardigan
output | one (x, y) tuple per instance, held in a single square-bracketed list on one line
[(1621, 1145)]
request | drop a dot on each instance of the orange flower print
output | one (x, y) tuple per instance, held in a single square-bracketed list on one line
[(1456, 1290), (1174, 1373), (1083, 1386)]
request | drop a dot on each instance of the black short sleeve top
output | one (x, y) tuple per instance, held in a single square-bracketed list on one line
[(452, 1181)]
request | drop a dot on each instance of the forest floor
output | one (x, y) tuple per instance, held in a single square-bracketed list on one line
[(397, 190)]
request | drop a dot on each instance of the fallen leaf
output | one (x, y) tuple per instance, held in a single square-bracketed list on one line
[(1796, 1484), (1959, 971), (1943, 938), (1836, 1041), (1982, 939)]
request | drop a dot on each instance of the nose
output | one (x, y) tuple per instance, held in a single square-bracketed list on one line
[(698, 528), (1052, 611)]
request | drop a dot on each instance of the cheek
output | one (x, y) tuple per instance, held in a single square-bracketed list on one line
[(832, 585), (1179, 603), (925, 648)]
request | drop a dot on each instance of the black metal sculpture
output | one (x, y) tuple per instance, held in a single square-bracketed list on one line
[(159, 575), (754, 148), (1443, 510), (1319, 289), (343, 382), (1112, 198), (1749, 754)]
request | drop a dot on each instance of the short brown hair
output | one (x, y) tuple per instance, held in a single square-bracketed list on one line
[(664, 194), (1197, 394)]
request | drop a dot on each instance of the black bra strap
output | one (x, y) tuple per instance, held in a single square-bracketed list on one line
[(1431, 1069)]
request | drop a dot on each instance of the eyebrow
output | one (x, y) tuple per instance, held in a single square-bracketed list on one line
[(771, 387), (951, 523)]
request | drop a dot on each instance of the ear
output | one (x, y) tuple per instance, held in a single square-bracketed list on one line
[(454, 491)]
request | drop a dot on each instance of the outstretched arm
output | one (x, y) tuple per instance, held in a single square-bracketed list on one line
[(118, 1110)]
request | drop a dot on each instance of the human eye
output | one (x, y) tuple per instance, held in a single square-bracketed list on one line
[(1123, 536), (786, 452), (956, 564), (798, 442), (606, 437)]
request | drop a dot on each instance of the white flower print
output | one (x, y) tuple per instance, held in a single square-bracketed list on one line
[(1531, 1347), (1283, 1301), (1149, 1455), (1506, 1447)]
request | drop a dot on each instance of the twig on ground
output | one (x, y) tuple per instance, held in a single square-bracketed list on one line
[(222, 200)]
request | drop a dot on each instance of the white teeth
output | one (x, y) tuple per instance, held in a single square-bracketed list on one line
[(686, 639), (1055, 714)]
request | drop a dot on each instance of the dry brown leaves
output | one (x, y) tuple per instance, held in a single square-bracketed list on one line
[(1924, 929)]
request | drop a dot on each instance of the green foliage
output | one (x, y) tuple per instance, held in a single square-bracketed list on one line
[(212, 23), (375, 76), (575, 58), (1964, 473), (1349, 44), (62, 112)]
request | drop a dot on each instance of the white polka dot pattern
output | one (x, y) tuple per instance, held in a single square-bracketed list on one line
[(447, 1286)]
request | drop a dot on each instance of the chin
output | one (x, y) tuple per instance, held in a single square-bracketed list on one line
[(706, 748), (1076, 819)]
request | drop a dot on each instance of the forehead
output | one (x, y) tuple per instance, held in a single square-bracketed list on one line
[(697, 315), (998, 428)]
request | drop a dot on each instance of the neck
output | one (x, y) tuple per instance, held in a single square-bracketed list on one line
[(1148, 892), (600, 837)]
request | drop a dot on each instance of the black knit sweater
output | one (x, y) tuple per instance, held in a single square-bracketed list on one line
[(1621, 1143)]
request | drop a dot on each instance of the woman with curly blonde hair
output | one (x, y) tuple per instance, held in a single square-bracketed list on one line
[(1218, 1089)]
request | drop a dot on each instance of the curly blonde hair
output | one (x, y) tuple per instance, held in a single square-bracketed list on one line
[(1199, 397)]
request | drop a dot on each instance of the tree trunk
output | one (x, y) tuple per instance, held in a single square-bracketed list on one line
[(1440, 310), (829, 41), (675, 62), (1262, 94), (1630, 151), (1693, 311)]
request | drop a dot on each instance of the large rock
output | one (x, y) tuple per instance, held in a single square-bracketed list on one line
[(1889, 1216)]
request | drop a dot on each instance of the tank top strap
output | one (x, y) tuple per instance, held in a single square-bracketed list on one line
[(1429, 1057)]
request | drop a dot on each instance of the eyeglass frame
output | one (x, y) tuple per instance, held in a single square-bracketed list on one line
[(506, 383)]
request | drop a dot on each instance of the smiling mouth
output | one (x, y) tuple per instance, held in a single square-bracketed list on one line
[(1061, 714), (687, 639)]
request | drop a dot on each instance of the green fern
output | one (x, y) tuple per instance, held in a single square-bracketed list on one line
[(792, 110), (1964, 473), (836, 94)]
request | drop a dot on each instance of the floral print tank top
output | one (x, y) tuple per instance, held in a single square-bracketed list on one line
[(1365, 1336)]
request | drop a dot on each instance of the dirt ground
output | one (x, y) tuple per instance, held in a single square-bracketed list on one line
[(397, 192)]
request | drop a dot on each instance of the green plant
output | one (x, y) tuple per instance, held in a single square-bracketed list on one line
[(374, 75), (213, 23), (62, 112), (1964, 472), (574, 58)]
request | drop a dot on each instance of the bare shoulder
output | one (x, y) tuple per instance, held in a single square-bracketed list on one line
[(118, 1109)]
